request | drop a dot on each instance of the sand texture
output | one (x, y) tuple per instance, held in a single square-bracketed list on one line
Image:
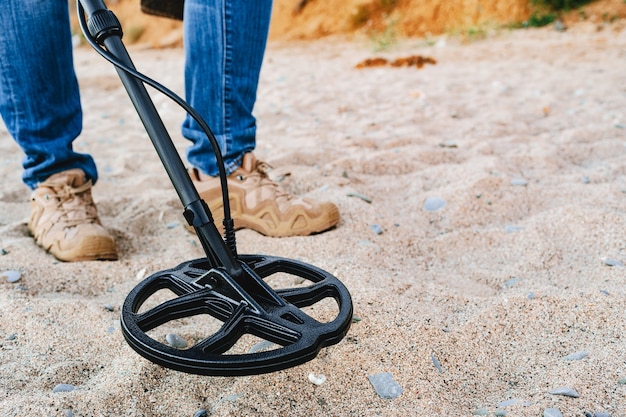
[(516, 144)]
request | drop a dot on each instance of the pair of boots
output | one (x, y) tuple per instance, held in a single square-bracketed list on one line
[(64, 219)]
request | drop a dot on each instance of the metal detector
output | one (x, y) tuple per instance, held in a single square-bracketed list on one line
[(228, 287)]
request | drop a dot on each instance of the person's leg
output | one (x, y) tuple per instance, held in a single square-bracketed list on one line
[(225, 43), (39, 98), (40, 105)]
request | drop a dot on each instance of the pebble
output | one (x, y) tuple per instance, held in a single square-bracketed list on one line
[(175, 341), (552, 412), (567, 392), (200, 413), (481, 412), (576, 356), (141, 274), (109, 307), (434, 203), (531, 295), (12, 336), (3, 251), (585, 180), (507, 402), (621, 381), (599, 414), (317, 379), (512, 282), (500, 413), (263, 345), (613, 262), (63, 388), (436, 363), (361, 196), (519, 182), (511, 228), (11, 276), (69, 413), (385, 386), (376, 229)]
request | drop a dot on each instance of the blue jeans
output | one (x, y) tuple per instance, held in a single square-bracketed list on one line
[(40, 101)]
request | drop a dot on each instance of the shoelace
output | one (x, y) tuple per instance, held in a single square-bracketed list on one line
[(69, 202), (262, 169)]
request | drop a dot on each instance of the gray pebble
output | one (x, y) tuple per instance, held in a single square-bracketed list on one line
[(567, 392), (500, 413), (519, 182), (384, 385), (436, 362), (376, 229), (361, 196), (507, 402), (511, 228), (175, 341), (262, 346), (172, 225), (512, 282), (434, 203), (109, 307), (481, 412), (69, 413), (552, 412), (3, 251), (601, 414), (576, 356), (585, 180), (531, 295), (613, 262), (621, 381), (11, 276), (12, 336), (200, 413), (63, 388)]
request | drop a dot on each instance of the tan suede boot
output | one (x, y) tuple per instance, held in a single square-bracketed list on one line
[(259, 204), (64, 219)]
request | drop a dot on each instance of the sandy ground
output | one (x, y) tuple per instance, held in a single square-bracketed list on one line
[(522, 135)]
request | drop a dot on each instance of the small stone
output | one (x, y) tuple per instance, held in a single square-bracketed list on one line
[(613, 262), (621, 381), (567, 392), (141, 274), (69, 413), (436, 362), (481, 412), (512, 282), (376, 229), (507, 402), (519, 182), (585, 180), (172, 225), (262, 346), (200, 413), (552, 412), (434, 203), (3, 251), (576, 356), (175, 341), (317, 379), (601, 414), (511, 228), (108, 307), (12, 336), (385, 386), (531, 295), (500, 413), (11, 276), (63, 388), (361, 196)]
